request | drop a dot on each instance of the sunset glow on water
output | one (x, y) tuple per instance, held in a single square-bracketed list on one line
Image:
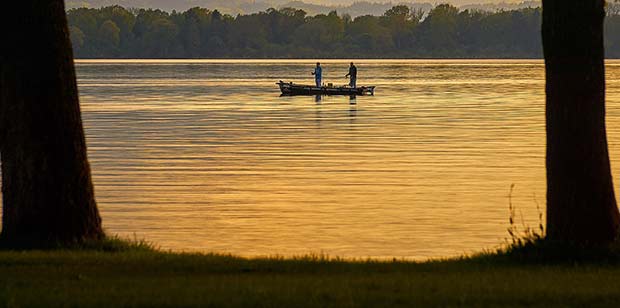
[(206, 156)]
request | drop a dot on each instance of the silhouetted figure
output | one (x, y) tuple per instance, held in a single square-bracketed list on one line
[(581, 206), (352, 75), (318, 74)]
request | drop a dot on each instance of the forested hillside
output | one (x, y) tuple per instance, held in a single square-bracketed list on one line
[(443, 32), (312, 7)]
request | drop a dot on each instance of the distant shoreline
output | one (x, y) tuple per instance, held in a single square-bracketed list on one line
[(400, 31), (309, 60)]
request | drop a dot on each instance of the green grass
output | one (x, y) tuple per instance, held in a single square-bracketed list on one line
[(116, 273)]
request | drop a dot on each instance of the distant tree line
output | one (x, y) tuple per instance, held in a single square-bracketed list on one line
[(443, 32)]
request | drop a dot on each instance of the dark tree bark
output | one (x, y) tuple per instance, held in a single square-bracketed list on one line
[(581, 206), (48, 196)]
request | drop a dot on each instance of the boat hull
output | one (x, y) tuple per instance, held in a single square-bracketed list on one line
[(289, 88)]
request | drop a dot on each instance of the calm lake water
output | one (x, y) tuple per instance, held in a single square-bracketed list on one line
[(205, 155)]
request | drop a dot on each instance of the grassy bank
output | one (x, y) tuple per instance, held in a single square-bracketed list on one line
[(143, 277)]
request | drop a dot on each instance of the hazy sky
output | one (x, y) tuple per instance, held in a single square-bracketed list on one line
[(454, 2), (197, 2), (457, 2), (241, 6)]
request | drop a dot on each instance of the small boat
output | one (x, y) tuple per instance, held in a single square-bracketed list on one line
[(289, 88)]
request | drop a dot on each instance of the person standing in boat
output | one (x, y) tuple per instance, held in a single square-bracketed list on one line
[(318, 74), (352, 75)]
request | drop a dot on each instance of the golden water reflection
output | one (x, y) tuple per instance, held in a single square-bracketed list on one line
[(205, 155)]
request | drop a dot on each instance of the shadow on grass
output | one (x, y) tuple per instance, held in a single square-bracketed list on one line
[(107, 244), (539, 250), (532, 249)]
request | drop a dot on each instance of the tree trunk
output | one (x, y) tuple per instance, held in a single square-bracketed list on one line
[(48, 197), (581, 206)]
